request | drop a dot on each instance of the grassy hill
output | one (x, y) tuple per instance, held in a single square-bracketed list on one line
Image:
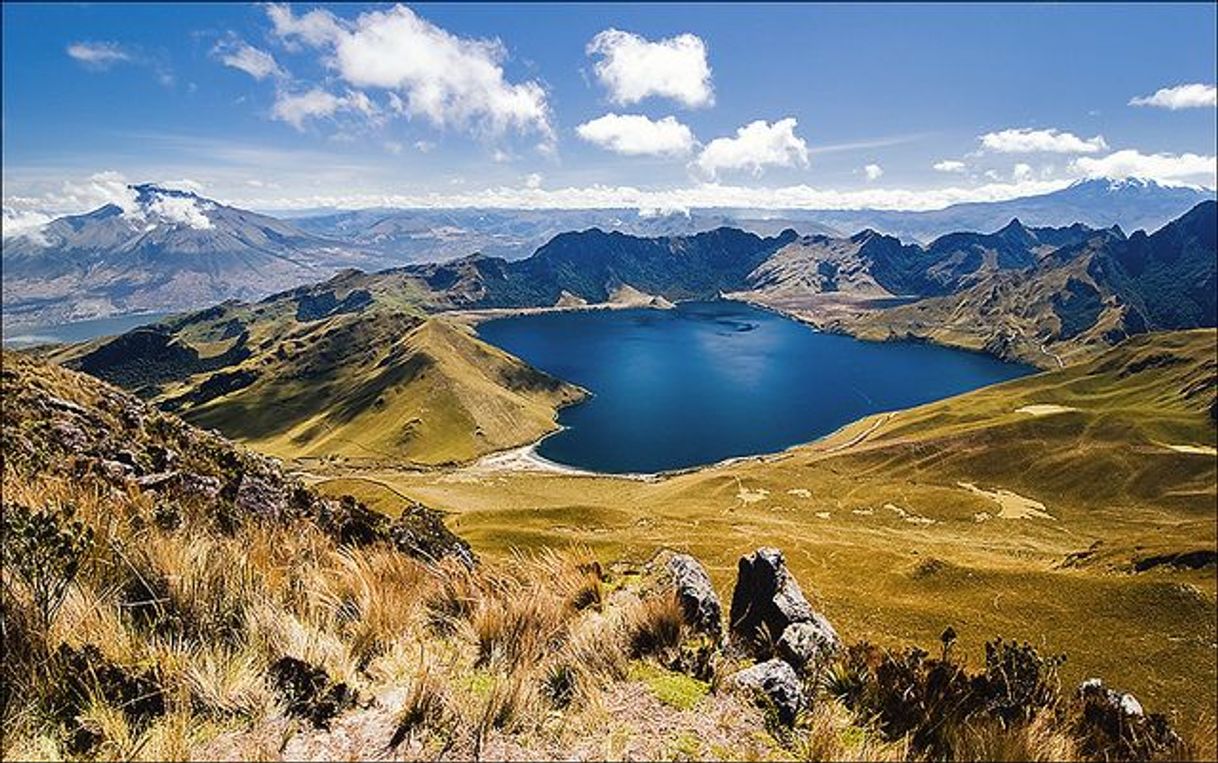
[(1072, 505), (349, 368)]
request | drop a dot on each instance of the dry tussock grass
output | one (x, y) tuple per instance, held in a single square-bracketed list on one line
[(528, 657)]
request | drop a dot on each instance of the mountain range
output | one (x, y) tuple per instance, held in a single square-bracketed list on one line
[(170, 250)]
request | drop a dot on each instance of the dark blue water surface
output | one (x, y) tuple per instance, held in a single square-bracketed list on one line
[(712, 380)]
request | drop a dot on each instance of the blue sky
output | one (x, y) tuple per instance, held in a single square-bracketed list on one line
[(575, 105)]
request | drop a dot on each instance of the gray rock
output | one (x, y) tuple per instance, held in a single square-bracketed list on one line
[(258, 497), (1093, 690), (696, 594), (766, 600), (114, 470), (808, 643), (157, 481), (70, 437), (777, 682), (199, 485)]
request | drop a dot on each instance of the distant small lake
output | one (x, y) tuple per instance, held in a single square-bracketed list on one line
[(79, 331), (712, 380)]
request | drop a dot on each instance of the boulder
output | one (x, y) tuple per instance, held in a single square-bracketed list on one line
[(258, 497), (808, 643), (777, 682), (766, 599), (698, 600)]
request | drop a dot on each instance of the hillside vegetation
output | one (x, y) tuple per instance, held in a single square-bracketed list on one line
[(171, 596)]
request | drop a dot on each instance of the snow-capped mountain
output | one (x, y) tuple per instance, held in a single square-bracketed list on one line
[(162, 249)]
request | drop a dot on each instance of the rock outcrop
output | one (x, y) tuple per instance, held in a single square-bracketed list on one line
[(694, 590), (768, 607)]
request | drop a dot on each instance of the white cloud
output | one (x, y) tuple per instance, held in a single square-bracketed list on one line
[(424, 146), (633, 68), (1028, 141), (636, 135), (1163, 168), (532, 180), (181, 210), (241, 55), (20, 223), (1192, 96), (316, 28), (949, 165), (98, 55), (297, 108), (697, 196), (393, 147), (1021, 172), (756, 146), (873, 172), (450, 81)]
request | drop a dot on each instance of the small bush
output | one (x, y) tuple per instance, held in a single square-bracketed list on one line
[(44, 549), (929, 700)]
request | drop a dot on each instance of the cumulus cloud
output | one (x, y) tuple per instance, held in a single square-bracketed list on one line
[(1169, 169), (180, 210), (1021, 171), (1191, 96), (948, 165), (532, 180), (1029, 141), (873, 172), (297, 108), (632, 68), (23, 223), (450, 81), (757, 145), (239, 54), (636, 135), (98, 55)]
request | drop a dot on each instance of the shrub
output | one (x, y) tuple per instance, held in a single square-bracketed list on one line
[(929, 700), (45, 550)]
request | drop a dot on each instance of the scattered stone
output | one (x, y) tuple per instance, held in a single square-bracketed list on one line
[(257, 497), (70, 437), (808, 643), (156, 481), (696, 594), (777, 682)]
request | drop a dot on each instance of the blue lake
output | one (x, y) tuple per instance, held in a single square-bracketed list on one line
[(79, 331), (712, 380)]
